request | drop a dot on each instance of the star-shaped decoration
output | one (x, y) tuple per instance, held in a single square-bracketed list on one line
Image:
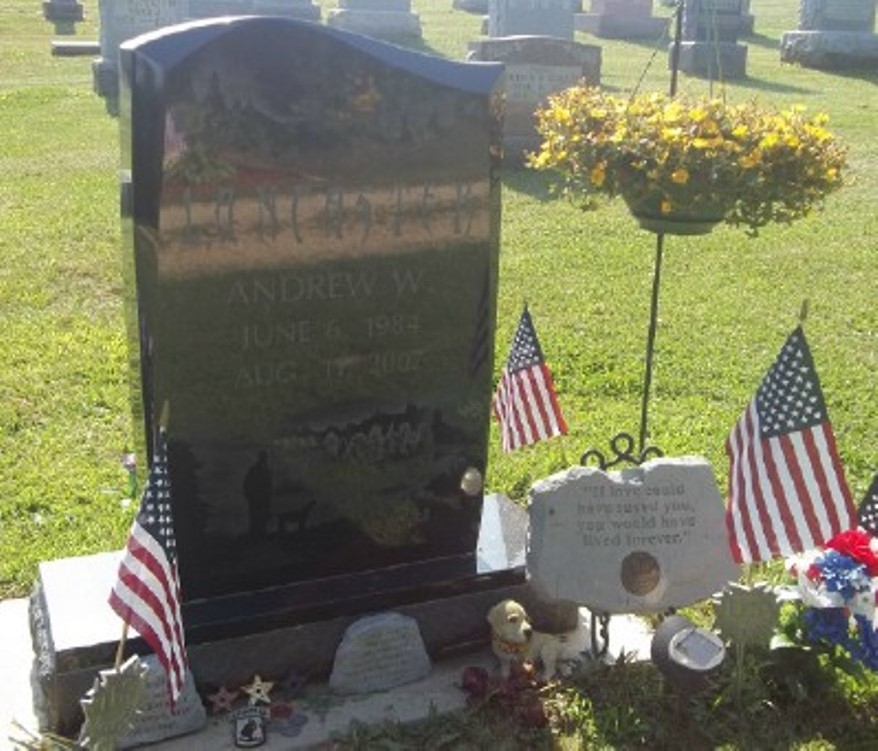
[(258, 690), (221, 700)]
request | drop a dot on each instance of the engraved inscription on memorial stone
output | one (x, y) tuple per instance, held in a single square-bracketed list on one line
[(640, 540), (532, 83)]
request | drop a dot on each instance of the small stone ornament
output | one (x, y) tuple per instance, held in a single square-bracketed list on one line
[(248, 726), (111, 705)]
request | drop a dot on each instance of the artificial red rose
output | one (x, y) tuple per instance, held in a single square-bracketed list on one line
[(859, 545), (475, 682)]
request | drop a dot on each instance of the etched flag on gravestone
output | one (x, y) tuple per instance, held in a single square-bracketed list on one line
[(787, 490), (867, 514), (525, 403)]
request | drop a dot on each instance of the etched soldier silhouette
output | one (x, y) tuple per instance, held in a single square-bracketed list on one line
[(257, 490)]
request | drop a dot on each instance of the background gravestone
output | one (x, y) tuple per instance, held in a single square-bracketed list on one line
[(304, 9), (125, 19), (709, 46), (312, 255), (833, 34), (381, 19), (552, 18), (638, 541), (622, 19), (534, 40), (536, 66)]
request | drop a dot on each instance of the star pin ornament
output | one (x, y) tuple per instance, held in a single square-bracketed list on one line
[(221, 700), (112, 704), (258, 690)]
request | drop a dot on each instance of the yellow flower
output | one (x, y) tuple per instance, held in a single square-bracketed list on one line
[(680, 176), (598, 174), (666, 206), (751, 159)]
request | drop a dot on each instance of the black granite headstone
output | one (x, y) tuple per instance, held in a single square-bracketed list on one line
[(311, 220)]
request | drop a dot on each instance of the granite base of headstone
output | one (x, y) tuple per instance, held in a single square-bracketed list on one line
[(716, 61), (125, 19), (62, 10), (75, 633), (377, 653), (303, 9), (552, 18), (379, 19), (833, 35), (156, 721), (536, 67), (621, 19), (642, 540), (838, 50)]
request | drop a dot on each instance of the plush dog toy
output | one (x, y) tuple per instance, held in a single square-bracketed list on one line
[(514, 640)]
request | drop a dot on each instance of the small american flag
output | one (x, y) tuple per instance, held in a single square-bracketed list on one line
[(787, 490), (525, 403), (146, 594), (867, 514)]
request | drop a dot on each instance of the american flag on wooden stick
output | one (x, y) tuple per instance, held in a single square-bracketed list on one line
[(787, 490), (525, 403), (867, 513), (146, 594)]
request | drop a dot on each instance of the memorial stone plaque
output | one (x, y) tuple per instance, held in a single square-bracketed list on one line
[(377, 653), (312, 241), (636, 541)]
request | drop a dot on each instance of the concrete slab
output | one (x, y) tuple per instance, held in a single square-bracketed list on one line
[(327, 716)]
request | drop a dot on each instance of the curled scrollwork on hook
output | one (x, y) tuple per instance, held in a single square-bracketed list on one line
[(622, 446)]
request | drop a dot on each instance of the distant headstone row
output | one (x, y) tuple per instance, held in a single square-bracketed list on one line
[(126, 19)]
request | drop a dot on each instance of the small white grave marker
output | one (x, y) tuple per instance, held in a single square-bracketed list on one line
[(377, 653)]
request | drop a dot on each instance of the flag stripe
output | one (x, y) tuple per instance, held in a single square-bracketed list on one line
[(801, 517), (132, 602), (740, 518), (836, 483), (157, 575), (761, 501), (144, 622)]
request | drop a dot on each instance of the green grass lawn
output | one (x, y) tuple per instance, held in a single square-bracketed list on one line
[(727, 303)]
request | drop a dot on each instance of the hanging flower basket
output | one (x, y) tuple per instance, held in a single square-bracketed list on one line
[(683, 165)]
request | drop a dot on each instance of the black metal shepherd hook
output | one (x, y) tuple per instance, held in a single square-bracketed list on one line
[(659, 250)]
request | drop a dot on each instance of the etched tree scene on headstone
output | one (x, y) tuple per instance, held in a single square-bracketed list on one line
[(313, 254)]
